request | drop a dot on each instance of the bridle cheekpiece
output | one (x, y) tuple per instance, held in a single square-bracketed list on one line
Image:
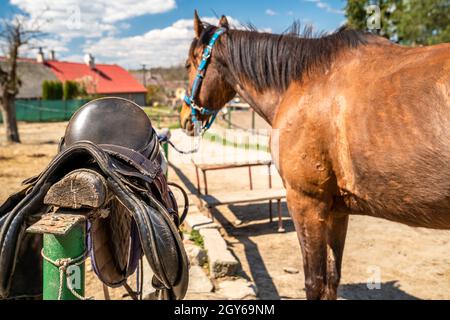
[(201, 70)]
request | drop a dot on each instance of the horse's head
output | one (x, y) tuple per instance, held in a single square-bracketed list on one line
[(208, 91)]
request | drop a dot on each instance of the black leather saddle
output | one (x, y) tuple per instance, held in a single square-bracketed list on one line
[(114, 138), (113, 121)]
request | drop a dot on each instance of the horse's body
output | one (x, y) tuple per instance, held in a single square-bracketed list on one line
[(362, 127), (375, 126)]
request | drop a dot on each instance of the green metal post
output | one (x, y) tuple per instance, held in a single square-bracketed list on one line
[(165, 147), (56, 247)]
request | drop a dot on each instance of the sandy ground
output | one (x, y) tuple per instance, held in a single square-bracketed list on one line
[(411, 263), (408, 263)]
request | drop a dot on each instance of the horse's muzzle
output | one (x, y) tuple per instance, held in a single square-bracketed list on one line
[(188, 126)]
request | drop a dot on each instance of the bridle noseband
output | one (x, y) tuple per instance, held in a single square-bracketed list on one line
[(201, 70)]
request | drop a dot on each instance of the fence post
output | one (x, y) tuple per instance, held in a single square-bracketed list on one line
[(63, 255), (253, 120), (165, 147), (71, 245), (166, 150), (164, 136)]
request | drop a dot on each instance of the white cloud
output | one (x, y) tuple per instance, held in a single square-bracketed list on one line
[(78, 18), (98, 26), (157, 47), (325, 6), (64, 20), (270, 12), (48, 44)]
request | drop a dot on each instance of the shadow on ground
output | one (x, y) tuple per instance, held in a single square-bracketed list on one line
[(255, 222), (388, 291)]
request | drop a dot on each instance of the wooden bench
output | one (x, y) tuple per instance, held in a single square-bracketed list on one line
[(241, 196), (204, 167)]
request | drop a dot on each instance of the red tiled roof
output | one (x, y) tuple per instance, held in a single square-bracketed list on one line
[(103, 79)]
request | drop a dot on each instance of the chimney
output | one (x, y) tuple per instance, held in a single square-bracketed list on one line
[(89, 60), (52, 55), (40, 56)]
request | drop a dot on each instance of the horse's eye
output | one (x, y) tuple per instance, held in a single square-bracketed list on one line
[(187, 65)]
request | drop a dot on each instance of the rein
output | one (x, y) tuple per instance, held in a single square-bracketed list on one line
[(201, 70)]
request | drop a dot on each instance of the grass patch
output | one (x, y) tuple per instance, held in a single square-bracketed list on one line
[(163, 117), (197, 238), (175, 125), (151, 111)]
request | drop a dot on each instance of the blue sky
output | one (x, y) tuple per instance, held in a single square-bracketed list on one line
[(155, 32)]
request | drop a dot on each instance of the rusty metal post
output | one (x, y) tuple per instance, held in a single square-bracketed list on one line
[(198, 179), (280, 218), (250, 177), (204, 181)]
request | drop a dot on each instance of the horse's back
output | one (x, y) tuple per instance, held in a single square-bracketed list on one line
[(393, 135)]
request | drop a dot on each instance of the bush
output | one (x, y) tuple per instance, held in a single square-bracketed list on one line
[(46, 90), (52, 90), (71, 90), (155, 94)]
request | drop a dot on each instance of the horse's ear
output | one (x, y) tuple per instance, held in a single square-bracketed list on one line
[(223, 22), (198, 25)]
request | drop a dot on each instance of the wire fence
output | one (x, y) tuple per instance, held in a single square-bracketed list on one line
[(46, 110)]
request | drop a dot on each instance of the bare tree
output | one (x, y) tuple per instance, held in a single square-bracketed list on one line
[(16, 34)]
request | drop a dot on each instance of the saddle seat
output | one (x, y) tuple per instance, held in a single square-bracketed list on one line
[(112, 121)]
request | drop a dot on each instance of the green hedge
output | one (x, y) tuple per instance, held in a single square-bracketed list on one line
[(52, 90)]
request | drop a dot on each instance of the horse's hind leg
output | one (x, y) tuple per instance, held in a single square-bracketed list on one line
[(322, 236)]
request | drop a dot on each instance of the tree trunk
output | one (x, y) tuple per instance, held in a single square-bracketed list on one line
[(10, 121)]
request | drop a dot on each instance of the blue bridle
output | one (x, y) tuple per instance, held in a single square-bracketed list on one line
[(201, 70)]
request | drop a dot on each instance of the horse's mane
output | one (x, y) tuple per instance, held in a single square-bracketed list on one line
[(275, 60)]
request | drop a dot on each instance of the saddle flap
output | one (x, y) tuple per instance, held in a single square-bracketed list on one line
[(114, 244)]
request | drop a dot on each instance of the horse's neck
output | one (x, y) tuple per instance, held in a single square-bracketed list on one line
[(264, 103)]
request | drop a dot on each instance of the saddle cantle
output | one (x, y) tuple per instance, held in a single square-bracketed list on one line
[(113, 138)]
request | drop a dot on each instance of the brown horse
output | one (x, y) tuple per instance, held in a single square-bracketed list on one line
[(362, 126)]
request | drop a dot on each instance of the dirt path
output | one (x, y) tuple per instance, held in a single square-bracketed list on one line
[(412, 262)]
